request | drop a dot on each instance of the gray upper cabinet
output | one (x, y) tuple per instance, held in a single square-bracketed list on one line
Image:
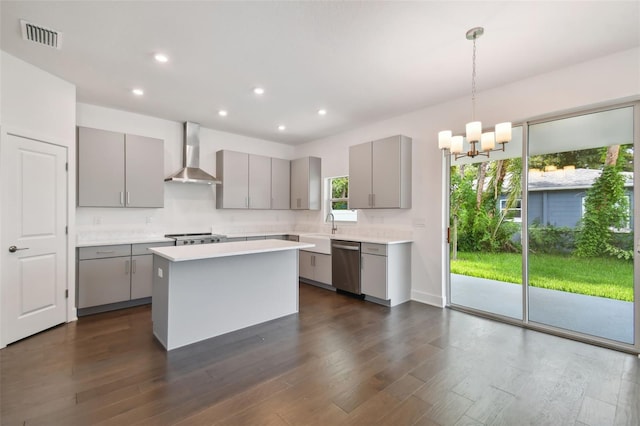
[(380, 174), (118, 170), (259, 182), (246, 180), (144, 171), (306, 185), (280, 184), (100, 168)]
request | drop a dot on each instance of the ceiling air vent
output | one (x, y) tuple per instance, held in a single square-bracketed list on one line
[(41, 35)]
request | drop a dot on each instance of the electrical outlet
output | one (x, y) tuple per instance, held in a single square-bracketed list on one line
[(97, 220), (149, 219), (160, 272)]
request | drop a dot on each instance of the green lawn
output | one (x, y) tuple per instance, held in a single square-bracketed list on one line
[(606, 277)]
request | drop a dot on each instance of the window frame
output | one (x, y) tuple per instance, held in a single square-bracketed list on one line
[(339, 215)]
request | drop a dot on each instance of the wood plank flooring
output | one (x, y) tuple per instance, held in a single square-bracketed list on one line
[(340, 361)]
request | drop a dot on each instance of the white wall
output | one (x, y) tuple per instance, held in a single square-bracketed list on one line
[(188, 207), (607, 79), (39, 105)]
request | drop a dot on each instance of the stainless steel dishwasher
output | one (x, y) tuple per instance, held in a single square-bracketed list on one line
[(345, 266)]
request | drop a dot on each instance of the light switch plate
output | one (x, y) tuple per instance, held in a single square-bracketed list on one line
[(160, 272)]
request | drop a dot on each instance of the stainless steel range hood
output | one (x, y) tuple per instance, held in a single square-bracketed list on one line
[(191, 171)]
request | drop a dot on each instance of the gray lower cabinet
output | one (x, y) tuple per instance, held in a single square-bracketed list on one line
[(111, 277), (386, 273), (315, 267), (119, 170)]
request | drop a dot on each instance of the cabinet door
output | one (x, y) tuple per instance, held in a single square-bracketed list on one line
[(374, 276), (360, 176), (306, 264), (144, 171), (102, 281), (100, 168), (233, 169), (141, 276), (280, 183), (259, 182), (322, 268), (386, 173), (300, 184)]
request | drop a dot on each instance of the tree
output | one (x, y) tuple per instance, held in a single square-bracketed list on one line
[(605, 208)]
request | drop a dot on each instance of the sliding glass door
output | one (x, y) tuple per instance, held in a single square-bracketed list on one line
[(548, 239), (580, 220), (485, 231)]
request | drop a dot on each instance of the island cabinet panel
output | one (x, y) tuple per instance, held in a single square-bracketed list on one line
[(118, 170), (202, 298), (246, 180), (280, 183), (380, 174)]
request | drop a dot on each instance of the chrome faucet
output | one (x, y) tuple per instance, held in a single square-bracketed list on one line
[(334, 228)]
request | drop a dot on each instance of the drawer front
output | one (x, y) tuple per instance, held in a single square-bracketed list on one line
[(140, 249), (99, 252), (370, 248)]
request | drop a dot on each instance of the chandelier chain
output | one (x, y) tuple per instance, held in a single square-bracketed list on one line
[(473, 83)]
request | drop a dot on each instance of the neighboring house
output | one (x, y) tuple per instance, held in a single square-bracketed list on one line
[(557, 198)]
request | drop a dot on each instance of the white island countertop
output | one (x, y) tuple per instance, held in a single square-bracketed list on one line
[(208, 251)]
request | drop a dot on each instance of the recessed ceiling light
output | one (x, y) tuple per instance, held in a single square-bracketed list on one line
[(282, 127), (161, 57), (322, 112), (222, 113), (258, 91), (138, 92)]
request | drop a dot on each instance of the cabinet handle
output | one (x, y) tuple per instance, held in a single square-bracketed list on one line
[(373, 200), (313, 261), (105, 252), (361, 262), (133, 266), (121, 198), (127, 267), (128, 198)]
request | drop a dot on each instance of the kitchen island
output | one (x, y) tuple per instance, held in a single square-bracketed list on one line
[(206, 290)]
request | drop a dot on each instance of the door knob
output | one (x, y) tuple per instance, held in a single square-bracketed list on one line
[(13, 249)]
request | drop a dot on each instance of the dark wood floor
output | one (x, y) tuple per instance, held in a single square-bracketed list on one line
[(340, 361)]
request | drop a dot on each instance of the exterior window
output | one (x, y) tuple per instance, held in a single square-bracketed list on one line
[(515, 213), (337, 190)]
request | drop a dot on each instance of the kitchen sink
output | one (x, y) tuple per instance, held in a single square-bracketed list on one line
[(322, 242)]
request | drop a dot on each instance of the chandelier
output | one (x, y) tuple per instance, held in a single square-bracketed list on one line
[(487, 140)]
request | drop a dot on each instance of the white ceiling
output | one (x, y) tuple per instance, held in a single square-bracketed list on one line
[(362, 61)]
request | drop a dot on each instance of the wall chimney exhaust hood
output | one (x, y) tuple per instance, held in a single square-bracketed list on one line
[(191, 171)]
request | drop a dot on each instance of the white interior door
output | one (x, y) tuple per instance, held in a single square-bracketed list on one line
[(33, 251)]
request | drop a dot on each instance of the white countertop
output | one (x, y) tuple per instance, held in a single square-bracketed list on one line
[(208, 251), (121, 240), (338, 236)]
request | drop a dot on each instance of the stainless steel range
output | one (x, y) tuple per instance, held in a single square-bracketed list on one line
[(205, 238)]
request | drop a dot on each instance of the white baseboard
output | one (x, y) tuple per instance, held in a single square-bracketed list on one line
[(427, 298)]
